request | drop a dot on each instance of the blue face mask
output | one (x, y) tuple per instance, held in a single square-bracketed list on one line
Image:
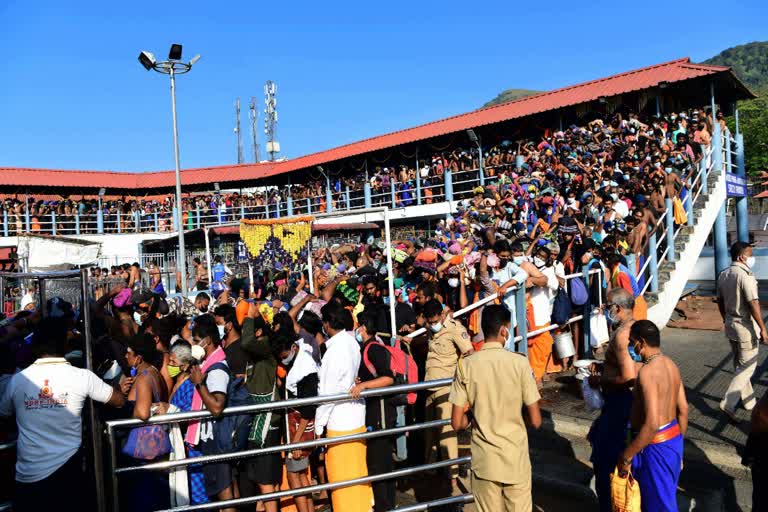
[(386, 299), (635, 357), (358, 337)]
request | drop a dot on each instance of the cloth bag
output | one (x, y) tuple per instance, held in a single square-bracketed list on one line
[(625, 493), (679, 212), (598, 330), (148, 442)]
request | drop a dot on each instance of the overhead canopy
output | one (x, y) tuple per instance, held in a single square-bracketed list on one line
[(41, 253), (679, 78)]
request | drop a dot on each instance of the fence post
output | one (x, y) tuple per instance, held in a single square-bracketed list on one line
[(100, 220), (481, 163), (349, 201), (742, 219), (367, 194), (175, 219), (218, 215), (669, 218), (653, 262), (119, 223), (277, 207), (26, 217), (242, 211), (197, 216), (688, 203), (521, 320), (309, 205), (266, 208), (290, 204), (53, 222), (137, 221), (5, 223), (157, 222), (77, 222), (392, 192), (328, 196), (448, 177)]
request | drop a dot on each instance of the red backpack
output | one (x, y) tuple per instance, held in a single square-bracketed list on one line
[(403, 368)]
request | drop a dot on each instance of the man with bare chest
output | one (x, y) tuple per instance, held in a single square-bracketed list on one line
[(659, 421), (615, 378)]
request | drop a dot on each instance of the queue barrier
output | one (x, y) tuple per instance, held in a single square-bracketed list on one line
[(183, 417)]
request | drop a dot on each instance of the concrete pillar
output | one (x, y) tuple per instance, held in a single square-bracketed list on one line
[(53, 222), (703, 169), (156, 219), (26, 215), (5, 223), (348, 199), (100, 220), (266, 208), (688, 202), (174, 220), (137, 221), (242, 211), (481, 163), (448, 177), (328, 195), (367, 194), (670, 223), (309, 205), (77, 222), (197, 216), (290, 205), (392, 193), (653, 262), (119, 222), (742, 218)]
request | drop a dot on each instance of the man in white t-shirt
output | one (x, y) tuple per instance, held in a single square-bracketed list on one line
[(28, 300), (47, 399)]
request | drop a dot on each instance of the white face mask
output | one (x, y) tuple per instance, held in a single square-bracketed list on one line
[(289, 359), (436, 327), (137, 317), (519, 260), (198, 352), (750, 261), (538, 262), (453, 282), (222, 331)]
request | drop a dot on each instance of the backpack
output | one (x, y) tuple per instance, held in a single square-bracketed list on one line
[(579, 294), (561, 308), (230, 433), (403, 368)]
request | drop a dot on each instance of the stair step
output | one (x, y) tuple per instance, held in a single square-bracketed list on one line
[(651, 302), (664, 276), (667, 266)]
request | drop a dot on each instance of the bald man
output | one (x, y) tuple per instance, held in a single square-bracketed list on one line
[(614, 377)]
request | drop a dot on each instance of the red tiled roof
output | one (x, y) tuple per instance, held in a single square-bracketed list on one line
[(630, 81)]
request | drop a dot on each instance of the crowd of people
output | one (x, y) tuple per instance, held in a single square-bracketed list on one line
[(583, 198), (619, 143)]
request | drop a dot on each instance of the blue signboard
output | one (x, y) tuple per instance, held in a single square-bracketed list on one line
[(735, 186)]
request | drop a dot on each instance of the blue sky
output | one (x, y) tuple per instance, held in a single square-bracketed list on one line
[(73, 96)]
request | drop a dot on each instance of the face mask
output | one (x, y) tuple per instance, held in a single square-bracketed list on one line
[(634, 355), (173, 371), (613, 319), (359, 337), (198, 352), (453, 282), (588, 255), (436, 327), (503, 262), (133, 371), (518, 260), (657, 164), (137, 317), (668, 170), (750, 261), (571, 200), (538, 262), (289, 358), (325, 333), (385, 299), (222, 331)]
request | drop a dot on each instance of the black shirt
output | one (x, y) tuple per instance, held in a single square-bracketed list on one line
[(404, 315), (379, 359), (236, 357)]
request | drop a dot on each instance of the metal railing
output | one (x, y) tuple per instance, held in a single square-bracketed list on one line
[(184, 417)]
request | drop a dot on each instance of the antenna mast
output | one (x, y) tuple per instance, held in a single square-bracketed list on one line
[(270, 118), (237, 132), (253, 113)]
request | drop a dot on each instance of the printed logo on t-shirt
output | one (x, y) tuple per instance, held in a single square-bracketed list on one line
[(45, 399)]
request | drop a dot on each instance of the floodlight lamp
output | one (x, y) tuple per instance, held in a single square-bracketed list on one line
[(217, 187), (472, 135), (663, 84), (175, 52), (102, 191), (194, 60), (147, 60), (602, 99)]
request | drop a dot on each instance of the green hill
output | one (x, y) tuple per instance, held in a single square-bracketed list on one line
[(750, 63), (510, 95)]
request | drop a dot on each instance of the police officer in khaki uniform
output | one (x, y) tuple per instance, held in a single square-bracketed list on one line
[(491, 387), (449, 340), (740, 308)]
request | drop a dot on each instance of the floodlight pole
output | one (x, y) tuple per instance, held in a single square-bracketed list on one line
[(182, 259)]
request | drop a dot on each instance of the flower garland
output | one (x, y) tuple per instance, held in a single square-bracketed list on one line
[(277, 243)]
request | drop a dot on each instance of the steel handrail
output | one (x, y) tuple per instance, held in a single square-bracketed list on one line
[(323, 487), (247, 454), (162, 419)]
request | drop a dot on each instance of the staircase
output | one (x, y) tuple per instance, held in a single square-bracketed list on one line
[(688, 241)]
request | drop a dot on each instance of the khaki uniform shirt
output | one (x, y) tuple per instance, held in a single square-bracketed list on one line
[(444, 349), (737, 287), (496, 383)]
